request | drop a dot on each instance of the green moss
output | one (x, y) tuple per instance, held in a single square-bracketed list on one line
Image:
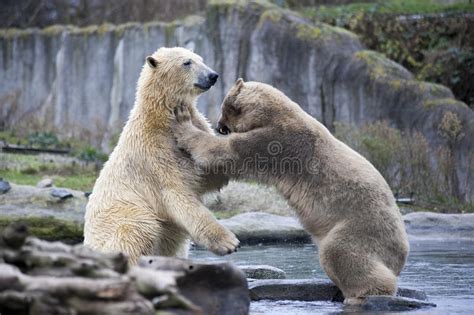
[(100, 30), (272, 15), (55, 30), (48, 228), (385, 7), (433, 103), (380, 67), (321, 31), (16, 32), (170, 28)]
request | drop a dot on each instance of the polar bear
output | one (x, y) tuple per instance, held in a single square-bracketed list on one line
[(146, 199), (339, 197)]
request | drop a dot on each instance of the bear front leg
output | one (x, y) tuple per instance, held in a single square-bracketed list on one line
[(208, 151), (191, 215)]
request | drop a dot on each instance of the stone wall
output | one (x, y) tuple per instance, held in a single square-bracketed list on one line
[(81, 81)]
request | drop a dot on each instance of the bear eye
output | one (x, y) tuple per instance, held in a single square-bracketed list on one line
[(187, 63)]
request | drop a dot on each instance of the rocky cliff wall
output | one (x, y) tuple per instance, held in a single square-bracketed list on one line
[(81, 81)]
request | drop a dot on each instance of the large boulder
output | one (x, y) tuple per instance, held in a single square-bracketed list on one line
[(259, 227), (238, 197), (39, 277), (434, 226), (216, 288)]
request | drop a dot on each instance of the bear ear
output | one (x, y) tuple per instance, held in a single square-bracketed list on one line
[(152, 62), (238, 85)]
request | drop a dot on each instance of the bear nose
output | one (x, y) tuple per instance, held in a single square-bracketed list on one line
[(212, 77)]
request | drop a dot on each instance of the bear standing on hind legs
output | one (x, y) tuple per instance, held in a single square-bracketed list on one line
[(147, 197), (339, 197)]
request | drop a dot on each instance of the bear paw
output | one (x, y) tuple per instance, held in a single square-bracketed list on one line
[(182, 114), (225, 244)]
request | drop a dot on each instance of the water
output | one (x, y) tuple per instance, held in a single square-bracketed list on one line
[(444, 270)]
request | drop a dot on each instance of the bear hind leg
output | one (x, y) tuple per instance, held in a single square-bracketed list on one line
[(134, 236), (357, 275)]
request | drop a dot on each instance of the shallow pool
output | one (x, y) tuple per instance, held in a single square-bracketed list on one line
[(444, 270)]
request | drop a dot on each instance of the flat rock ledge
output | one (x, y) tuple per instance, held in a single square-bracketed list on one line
[(262, 272), (434, 226), (258, 227), (320, 290), (39, 277)]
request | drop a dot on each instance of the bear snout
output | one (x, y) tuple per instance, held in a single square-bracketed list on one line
[(212, 77), (206, 81)]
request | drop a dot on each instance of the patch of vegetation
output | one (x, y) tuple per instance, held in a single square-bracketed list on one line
[(386, 7), (65, 171), (225, 214), (433, 40), (49, 228), (403, 159), (91, 154)]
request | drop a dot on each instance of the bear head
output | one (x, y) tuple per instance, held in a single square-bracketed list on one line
[(179, 72), (250, 105)]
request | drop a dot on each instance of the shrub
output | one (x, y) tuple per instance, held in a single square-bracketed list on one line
[(43, 140), (405, 159), (91, 154)]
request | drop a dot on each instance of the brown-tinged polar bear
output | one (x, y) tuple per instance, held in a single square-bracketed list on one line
[(339, 197), (147, 197)]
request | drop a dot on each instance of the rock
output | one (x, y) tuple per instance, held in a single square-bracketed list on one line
[(309, 290), (48, 217), (412, 294), (45, 183), (4, 186), (393, 304), (294, 289), (262, 272), (241, 197), (259, 227), (432, 226), (39, 277), (222, 287), (61, 193)]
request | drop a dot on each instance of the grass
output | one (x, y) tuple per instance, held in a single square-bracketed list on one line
[(66, 171), (388, 7), (83, 182)]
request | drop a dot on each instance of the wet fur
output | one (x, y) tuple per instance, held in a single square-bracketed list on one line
[(147, 197)]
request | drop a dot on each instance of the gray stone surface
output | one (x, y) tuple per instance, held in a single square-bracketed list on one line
[(248, 197), (217, 288), (29, 201), (61, 193), (323, 68), (393, 304), (431, 226), (259, 227), (310, 290), (262, 272), (4, 186), (45, 183)]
